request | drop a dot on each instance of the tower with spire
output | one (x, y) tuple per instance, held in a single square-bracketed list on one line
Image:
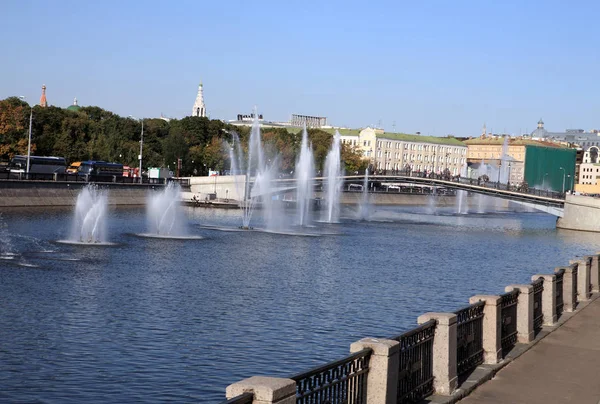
[(199, 108), (43, 102), (483, 131)]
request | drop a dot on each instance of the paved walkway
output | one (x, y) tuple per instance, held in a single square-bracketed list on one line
[(564, 367)]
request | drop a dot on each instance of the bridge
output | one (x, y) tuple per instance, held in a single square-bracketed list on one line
[(543, 200)]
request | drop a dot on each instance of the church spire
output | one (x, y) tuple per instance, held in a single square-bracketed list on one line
[(43, 102), (199, 108)]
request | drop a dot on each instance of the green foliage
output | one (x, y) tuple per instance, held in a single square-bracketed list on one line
[(92, 133)]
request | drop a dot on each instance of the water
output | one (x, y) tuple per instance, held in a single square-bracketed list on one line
[(333, 181), (156, 320), (89, 217)]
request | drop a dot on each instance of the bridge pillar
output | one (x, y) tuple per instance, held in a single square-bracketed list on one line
[(525, 332), (548, 298), (444, 351)]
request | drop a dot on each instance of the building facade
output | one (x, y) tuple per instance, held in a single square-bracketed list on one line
[(398, 151), (573, 137), (540, 164), (309, 121)]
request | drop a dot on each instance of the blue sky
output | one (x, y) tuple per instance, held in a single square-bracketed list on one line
[(437, 67)]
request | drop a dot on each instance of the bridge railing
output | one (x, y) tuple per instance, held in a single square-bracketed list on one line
[(518, 188), (56, 177)]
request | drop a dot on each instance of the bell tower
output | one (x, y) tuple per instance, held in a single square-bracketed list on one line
[(199, 108), (43, 102)]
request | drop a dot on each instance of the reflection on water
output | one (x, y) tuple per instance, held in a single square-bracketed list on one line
[(173, 320)]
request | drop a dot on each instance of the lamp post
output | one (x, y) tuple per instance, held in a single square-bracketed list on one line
[(564, 175), (141, 146)]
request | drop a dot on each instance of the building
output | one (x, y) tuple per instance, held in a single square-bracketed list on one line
[(199, 109), (538, 163), (571, 137), (399, 151), (309, 121), (74, 107), (43, 101), (588, 180)]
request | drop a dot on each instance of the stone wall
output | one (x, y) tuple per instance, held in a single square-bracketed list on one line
[(49, 193), (581, 213)]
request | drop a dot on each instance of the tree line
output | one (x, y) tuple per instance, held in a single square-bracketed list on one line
[(93, 133)]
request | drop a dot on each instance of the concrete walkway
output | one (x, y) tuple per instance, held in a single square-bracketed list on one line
[(564, 367)]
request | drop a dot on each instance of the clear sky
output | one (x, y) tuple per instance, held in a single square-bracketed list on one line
[(437, 67)]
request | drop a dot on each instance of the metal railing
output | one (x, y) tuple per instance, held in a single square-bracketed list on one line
[(469, 335), (538, 314), (415, 375), (245, 398), (508, 306), (560, 302), (343, 381)]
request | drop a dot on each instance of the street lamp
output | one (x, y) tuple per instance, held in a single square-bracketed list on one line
[(564, 174), (29, 141), (141, 146)]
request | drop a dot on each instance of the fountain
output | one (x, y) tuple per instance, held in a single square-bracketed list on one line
[(364, 205), (164, 216), (89, 225), (304, 174), (461, 196), (333, 181)]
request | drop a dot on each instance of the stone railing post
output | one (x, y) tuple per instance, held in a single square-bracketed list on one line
[(444, 351), (595, 273), (525, 332), (492, 327), (569, 288), (382, 379), (266, 390), (583, 278), (548, 298)]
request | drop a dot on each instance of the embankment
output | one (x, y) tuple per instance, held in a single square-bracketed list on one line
[(50, 193)]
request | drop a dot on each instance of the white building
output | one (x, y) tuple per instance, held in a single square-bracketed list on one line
[(397, 151)]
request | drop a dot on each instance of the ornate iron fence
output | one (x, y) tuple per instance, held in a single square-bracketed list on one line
[(343, 381), (415, 376), (538, 315), (508, 305), (560, 302), (245, 398), (469, 334)]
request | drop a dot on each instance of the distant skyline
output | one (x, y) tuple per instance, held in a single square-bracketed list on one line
[(433, 67)]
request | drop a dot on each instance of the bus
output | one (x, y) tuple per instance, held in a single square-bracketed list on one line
[(100, 168), (38, 165)]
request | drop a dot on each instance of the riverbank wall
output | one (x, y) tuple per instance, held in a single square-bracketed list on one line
[(50, 193), (448, 355)]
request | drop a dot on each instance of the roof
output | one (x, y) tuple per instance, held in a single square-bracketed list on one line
[(73, 108), (452, 141), (343, 132), (512, 142)]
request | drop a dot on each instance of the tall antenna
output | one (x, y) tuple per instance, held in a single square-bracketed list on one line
[(394, 127)]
